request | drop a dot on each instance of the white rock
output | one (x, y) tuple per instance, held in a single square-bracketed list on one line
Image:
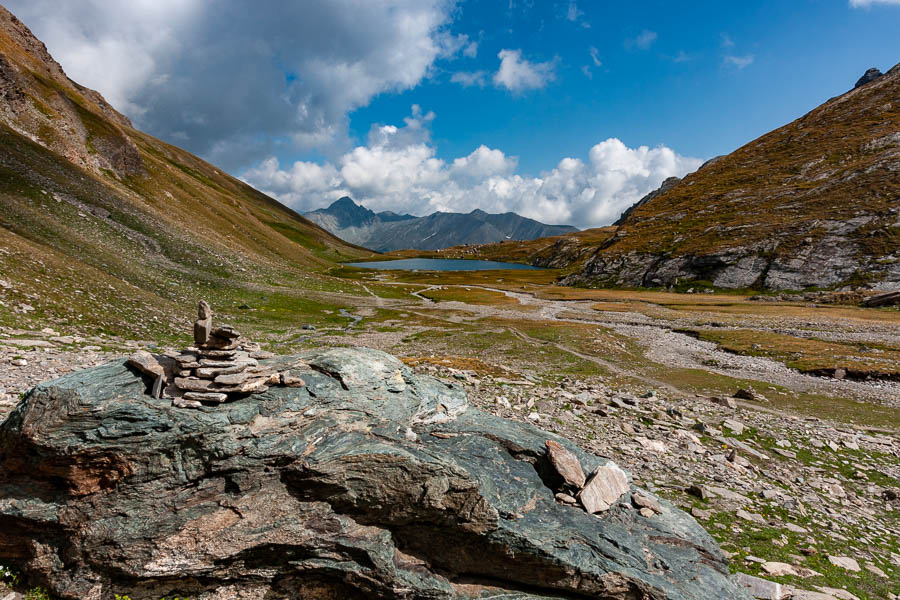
[(759, 587), (735, 426), (837, 592), (778, 569), (873, 569), (653, 445), (797, 594), (748, 516), (605, 485), (845, 562)]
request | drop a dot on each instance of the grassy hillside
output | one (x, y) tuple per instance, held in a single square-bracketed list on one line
[(833, 164), (815, 203), (103, 225)]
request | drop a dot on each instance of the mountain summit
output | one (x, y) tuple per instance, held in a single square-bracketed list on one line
[(815, 203), (387, 231)]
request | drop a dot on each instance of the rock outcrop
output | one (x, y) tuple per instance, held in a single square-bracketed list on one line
[(664, 187), (369, 482), (870, 75)]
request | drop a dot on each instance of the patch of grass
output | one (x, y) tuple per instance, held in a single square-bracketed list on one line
[(774, 543), (809, 355)]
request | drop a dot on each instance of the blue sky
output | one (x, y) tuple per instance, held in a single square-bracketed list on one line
[(561, 111), (678, 90)]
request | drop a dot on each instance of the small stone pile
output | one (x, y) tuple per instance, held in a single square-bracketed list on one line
[(599, 491), (221, 365)]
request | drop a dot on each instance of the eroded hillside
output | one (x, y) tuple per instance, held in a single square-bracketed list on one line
[(103, 225), (815, 203)]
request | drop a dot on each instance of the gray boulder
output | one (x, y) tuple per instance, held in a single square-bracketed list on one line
[(369, 482)]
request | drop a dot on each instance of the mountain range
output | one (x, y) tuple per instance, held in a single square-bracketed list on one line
[(387, 231)]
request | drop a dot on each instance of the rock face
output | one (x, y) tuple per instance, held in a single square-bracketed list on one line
[(811, 204), (664, 187), (370, 481)]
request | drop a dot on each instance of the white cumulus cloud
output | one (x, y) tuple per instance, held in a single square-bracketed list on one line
[(868, 3), (738, 62), (398, 169), (517, 74), (234, 83)]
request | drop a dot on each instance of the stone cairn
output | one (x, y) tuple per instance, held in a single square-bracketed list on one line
[(220, 366)]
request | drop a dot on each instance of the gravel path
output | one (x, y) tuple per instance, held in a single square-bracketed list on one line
[(666, 347)]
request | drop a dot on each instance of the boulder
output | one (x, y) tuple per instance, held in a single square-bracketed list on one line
[(146, 363), (885, 299), (349, 487), (566, 464), (606, 485)]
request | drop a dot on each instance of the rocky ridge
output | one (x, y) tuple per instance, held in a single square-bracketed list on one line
[(870, 75), (36, 97), (370, 480)]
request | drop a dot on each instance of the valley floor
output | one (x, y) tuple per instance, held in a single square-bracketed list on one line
[(800, 471)]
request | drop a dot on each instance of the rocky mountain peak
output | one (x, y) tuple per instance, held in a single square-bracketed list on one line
[(344, 203), (870, 75), (347, 213), (39, 101)]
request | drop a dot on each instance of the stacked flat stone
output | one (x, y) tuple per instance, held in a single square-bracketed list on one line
[(220, 365)]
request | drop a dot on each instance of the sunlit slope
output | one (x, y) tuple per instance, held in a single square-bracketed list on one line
[(96, 205), (815, 203)]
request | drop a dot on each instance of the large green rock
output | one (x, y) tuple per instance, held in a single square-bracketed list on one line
[(370, 482)]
